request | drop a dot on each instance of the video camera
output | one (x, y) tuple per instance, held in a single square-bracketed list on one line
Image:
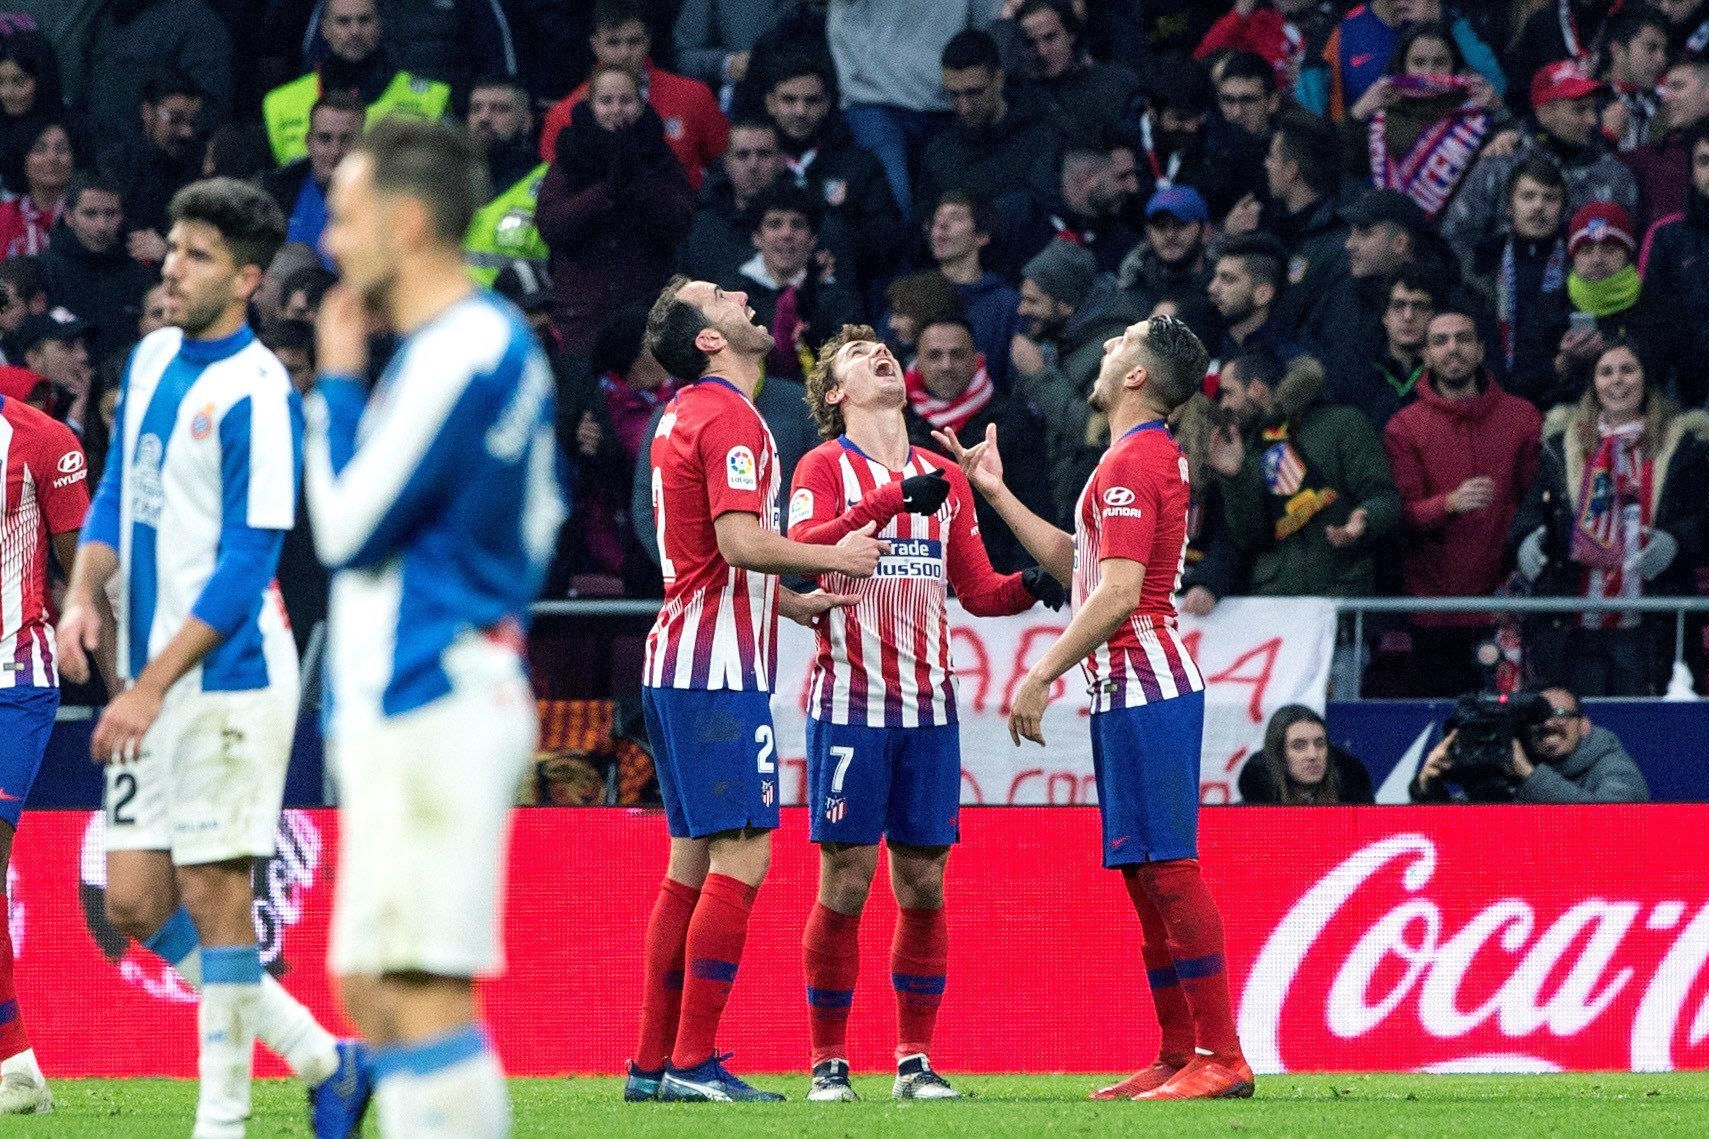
[(1487, 725)]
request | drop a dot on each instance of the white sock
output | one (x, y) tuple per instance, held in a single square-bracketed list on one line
[(446, 1087), (282, 1023), (23, 1064), (231, 991)]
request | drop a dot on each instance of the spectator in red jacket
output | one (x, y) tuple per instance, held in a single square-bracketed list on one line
[(695, 128), (613, 208), (1463, 454)]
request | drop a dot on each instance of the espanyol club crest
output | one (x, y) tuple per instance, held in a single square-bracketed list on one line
[(836, 191), (768, 791), (835, 808), (202, 423)]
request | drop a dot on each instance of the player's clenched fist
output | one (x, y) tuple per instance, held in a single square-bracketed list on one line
[(860, 551)]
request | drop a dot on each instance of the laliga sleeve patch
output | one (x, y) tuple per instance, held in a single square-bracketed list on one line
[(800, 507), (740, 471)]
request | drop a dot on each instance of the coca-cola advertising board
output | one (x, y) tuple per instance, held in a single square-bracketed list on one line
[(1372, 938), (1256, 654)]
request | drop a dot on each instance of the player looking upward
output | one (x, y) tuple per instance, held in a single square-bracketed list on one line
[(43, 498), (883, 749), (436, 505), (1124, 561), (706, 688), (199, 489)]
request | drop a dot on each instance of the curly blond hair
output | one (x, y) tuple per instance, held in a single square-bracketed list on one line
[(821, 379)]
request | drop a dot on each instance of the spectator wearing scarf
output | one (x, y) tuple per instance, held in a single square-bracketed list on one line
[(1527, 265), (1616, 511), (1603, 282), (1419, 128), (950, 389)]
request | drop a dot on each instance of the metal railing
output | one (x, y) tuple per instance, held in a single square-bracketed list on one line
[(1358, 607)]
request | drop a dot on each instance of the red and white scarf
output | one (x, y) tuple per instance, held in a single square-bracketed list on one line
[(1613, 510), (949, 414), (1431, 171)]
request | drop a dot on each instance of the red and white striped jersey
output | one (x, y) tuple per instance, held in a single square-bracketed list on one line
[(1135, 507), (712, 455), (44, 490), (886, 662)]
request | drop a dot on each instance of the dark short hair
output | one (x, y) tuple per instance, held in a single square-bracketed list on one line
[(972, 48), (925, 297), (985, 217), (170, 81), (752, 122), (26, 276), (240, 150), (1420, 279), (1257, 365), (951, 318), (248, 219), (1181, 361), (1312, 145), (314, 280), (784, 196), (347, 102), (1175, 82), (1263, 256), (1064, 12), (616, 13), (1544, 171), (491, 79), (672, 325), (796, 63), (86, 180), (1245, 65), (434, 162), (289, 335), (1625, 24)]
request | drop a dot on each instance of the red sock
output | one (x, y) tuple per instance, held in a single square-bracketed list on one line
[(830, 951), (716, 935), (661, 975), (1173, 1015), (1195, 945), (919, 958), (13, 1038)]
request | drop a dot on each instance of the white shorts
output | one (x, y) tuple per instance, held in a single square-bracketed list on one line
[(209, 778), (424, 823)]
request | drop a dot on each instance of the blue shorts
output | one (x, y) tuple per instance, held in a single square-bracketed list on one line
[(901, 782), (716, 759), (26, 721), (1147, 764)]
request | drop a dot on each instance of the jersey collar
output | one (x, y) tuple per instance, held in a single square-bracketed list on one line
[(1148, 425), (721, 382), (209, 351), (851, 445)]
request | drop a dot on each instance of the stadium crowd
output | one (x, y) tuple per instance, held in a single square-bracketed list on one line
[(1445, 257)]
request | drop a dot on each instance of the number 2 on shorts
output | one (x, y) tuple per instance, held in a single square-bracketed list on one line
[(762, 736)]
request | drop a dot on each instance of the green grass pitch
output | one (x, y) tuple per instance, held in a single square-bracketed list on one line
[(1350, 1105)]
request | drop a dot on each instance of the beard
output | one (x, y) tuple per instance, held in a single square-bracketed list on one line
[(199, 315), (749, 339)]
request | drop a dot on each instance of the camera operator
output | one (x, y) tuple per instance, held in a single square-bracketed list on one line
[(1556, 755)]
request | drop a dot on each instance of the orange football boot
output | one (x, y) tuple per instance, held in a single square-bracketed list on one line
[(1143, 1080), (1206, 1077)]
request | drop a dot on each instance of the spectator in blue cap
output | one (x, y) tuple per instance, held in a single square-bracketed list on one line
[(1170, 263)]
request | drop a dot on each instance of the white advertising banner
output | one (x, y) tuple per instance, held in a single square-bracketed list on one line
[(1256, 653)]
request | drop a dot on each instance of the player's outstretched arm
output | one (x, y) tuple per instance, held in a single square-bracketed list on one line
[(983, 465), (744, 543), (981, 590), (1111, 603)]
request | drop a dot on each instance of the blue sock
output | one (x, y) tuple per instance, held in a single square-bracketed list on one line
[(175, 940)]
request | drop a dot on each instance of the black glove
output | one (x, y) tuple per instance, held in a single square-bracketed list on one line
[(1041, 585), (924, 494)]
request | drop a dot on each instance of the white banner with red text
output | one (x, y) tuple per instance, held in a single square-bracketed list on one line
[(1256, 653)]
